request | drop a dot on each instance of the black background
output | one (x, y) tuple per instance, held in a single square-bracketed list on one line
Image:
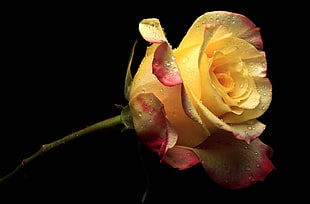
[(63, 69)]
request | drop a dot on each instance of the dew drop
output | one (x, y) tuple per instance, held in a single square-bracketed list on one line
[(184, 60), (263, 107), (251, 178), (257, 165), (156, 63)]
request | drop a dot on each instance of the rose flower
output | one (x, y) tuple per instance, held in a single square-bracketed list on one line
[(199, 102)]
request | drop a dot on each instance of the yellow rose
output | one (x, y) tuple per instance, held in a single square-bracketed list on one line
[(199, 102)]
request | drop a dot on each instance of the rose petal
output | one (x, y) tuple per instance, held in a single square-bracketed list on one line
[(264, 89), (152, 31), (243, 94), (239, 25), (188, 63), (248, 63), (216, 105), (198, 112), (257, 65), (233, 163), (146, 82), (247, 130), (180, 158), (151, 124), (165, 67)]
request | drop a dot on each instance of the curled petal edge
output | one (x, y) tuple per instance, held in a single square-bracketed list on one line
[(181, 158), (164, 66), (247, 131)]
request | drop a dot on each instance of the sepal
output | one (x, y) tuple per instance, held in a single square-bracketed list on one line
[(128, 77), (126, 117)]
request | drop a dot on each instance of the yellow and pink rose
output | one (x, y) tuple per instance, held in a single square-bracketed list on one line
[(199, 102)]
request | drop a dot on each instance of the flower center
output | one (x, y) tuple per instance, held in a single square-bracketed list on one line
[(225, 80)]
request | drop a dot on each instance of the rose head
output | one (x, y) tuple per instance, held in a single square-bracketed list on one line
[(199, 102)]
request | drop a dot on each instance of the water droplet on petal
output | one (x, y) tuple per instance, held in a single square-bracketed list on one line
[(263, 107), (184, 60), (251, 178)]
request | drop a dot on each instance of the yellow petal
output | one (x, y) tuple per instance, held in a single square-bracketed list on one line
[(152, 31), (264, 89), (190, 133), (187, 60), (239, 26), (239, 61), (203, 114), (211, 96), (144, 80), (247, 130)]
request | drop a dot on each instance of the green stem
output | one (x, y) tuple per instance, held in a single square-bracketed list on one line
[(105, 124)]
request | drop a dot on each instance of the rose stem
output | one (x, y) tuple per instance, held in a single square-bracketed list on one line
[(105, 124)]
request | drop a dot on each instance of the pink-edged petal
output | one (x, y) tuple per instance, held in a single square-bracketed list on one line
[(165, 67), (180, 158), (248, 131), (233, 163), (151, 124), (239, 25), (152, 31)]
